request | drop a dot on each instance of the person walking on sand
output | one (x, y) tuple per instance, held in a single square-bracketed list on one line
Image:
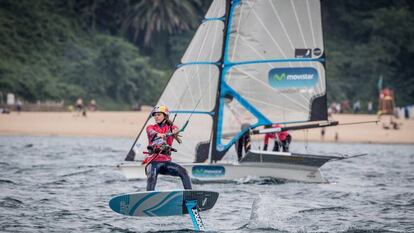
[(160, 139)]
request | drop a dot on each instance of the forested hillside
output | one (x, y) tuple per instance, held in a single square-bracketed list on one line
[(122, 52), (365, 40)]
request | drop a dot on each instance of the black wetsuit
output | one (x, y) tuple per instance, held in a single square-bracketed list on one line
[(166, 168)]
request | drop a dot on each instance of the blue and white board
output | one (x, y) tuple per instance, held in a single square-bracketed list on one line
[(161, 203)]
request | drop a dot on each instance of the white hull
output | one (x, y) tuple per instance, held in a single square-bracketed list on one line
[(222, 172)]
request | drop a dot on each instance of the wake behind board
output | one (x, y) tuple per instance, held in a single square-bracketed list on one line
[(161, 203)]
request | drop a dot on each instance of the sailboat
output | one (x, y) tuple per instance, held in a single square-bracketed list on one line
[(250, 64)]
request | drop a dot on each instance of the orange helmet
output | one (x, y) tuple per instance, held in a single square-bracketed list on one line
[(162, 109)]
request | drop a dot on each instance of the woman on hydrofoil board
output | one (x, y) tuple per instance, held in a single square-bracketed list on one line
[(160, 139)]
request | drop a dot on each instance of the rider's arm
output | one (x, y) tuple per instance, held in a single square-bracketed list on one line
[(150, 131), (175, 129)]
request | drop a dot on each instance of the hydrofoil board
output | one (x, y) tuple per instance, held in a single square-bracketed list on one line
[(162, 203)]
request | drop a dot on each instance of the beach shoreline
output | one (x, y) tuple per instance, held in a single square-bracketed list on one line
[(129, 124)]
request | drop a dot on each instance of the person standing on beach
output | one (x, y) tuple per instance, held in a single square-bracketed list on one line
[(19, 105), (79, 104), (92, 105), (158, 161)]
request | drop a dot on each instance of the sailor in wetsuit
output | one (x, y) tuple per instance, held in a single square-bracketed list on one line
[(282, 139), (160, 137)]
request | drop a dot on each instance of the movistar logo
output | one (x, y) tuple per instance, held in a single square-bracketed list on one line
[(299, 77), (279, 77), (208, 171)]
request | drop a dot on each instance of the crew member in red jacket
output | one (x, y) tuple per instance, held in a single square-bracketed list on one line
[(160, 137), (282, 139)]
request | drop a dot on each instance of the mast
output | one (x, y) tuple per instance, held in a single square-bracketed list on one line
[(214, 152)]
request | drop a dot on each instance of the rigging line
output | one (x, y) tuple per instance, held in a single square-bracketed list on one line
[(299, 25), (215, 29), (214, 9), (199, 79), (310, 23), (188, 119), (203, 43), (177, 105), (211, 55), (233, 112), (285, 32), (270, 34), (298, 22), (306, 134), (237, 35), (166, 90), (188, 85), (257, 52), (253, 100), (282, 24)]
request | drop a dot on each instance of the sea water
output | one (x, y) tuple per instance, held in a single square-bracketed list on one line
[(63, 184)]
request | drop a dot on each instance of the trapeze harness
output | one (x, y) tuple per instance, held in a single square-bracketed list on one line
[(159, 157)]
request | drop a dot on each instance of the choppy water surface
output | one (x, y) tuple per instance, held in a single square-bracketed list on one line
[(63, 184)]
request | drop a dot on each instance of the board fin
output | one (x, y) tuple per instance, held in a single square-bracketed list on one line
[(195, 215)]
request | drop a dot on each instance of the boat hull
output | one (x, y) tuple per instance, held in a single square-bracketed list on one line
[(279, 165), (223, 172)]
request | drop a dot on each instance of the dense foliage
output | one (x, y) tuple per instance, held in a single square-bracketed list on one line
[(122, 52), (366, 40)]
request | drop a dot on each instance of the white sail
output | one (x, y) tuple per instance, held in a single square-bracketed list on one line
[(270, 69), (273, 66), (192, 88), (251, 63)]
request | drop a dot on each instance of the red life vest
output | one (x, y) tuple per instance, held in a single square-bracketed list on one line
[(152, 131)]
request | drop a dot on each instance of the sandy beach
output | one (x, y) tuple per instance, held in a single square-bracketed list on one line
[(128, 124)]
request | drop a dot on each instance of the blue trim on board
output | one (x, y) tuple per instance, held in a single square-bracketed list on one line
[(150, 210), (132, 210)]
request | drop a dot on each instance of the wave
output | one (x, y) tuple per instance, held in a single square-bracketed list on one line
[(6, 182), (324, 209), (262, 180), (4, 163), (119, 229), (356, 230), (56, 182), (77, 173), (10, 202)]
